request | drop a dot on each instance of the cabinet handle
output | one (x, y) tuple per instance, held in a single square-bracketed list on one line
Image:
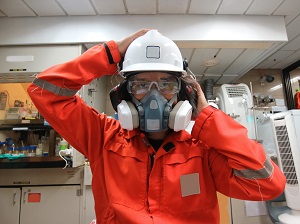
[(14, 198), (24, 197)]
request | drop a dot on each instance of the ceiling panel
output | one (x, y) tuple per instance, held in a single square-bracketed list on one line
[(227, 56), (226, 78), (292, 45), (215, 77), (265, 7), (234, 7), (290, 18), (15, 8), (46, 7), (295, 56), (288, 7), (196, 63), (141, 7), (187, 53), (274, 59), (77, 7), (293, 28), (109, 7), (172, 6), (243, 60), (204, 6)]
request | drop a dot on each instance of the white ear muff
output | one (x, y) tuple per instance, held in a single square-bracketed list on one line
[(180, 116), (128, 115)]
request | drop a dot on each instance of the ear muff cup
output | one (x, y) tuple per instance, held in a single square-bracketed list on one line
[(119, 93), (180, 116), (128, 115)]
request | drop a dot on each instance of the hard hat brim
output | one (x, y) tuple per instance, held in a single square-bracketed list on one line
[(145, 67)]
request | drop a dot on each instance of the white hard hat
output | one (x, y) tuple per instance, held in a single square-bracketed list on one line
[(152, 52)]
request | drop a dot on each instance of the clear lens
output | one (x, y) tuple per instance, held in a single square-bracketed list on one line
[(166, 85)]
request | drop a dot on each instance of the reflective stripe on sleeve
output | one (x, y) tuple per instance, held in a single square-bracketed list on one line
[(256, 174), (57, 90)]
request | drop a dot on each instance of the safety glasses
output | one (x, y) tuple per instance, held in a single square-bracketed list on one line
[(168, 84)]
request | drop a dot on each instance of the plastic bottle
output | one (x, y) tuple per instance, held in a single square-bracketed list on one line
[(57, 145), (63, 144), (46, 146), (4, 148), (15, 151)]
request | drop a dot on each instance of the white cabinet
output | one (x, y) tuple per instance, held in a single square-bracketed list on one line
[(44, 204), (10, 205), (89, 212), (94, 94)]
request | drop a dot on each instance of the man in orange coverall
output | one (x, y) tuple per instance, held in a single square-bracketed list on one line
[(146, 167)]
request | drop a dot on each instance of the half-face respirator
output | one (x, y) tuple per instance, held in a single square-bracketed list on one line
[(154, 113)]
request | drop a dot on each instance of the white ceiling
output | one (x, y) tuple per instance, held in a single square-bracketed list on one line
[(232, 61)]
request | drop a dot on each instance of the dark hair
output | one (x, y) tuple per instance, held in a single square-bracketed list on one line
[(189, 92), (119, 93)]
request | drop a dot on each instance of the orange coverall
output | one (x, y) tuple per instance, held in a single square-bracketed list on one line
[(180, 186)]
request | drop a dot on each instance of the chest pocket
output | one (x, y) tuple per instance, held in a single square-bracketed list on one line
[(125, 171), (187, 183)]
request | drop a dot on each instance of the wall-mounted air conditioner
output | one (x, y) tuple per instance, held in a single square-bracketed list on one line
[(20, 63), (236, 101)]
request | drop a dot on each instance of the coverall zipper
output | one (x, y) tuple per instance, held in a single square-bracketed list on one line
[(151, 162)]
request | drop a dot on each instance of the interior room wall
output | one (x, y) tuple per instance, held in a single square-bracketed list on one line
[(275, 88)]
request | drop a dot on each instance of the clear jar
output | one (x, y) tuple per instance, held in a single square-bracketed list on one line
[(31, 151), (24, 150), (39, 150)]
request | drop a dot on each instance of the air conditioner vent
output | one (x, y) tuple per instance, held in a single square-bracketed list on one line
[(236, 91), (286, 155)]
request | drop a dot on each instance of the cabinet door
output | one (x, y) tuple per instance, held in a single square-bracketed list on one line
[(50, 204), (89, 211), (9, 205)]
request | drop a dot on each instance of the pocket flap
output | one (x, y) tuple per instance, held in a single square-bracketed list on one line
[(126, 151), (182, 158)]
